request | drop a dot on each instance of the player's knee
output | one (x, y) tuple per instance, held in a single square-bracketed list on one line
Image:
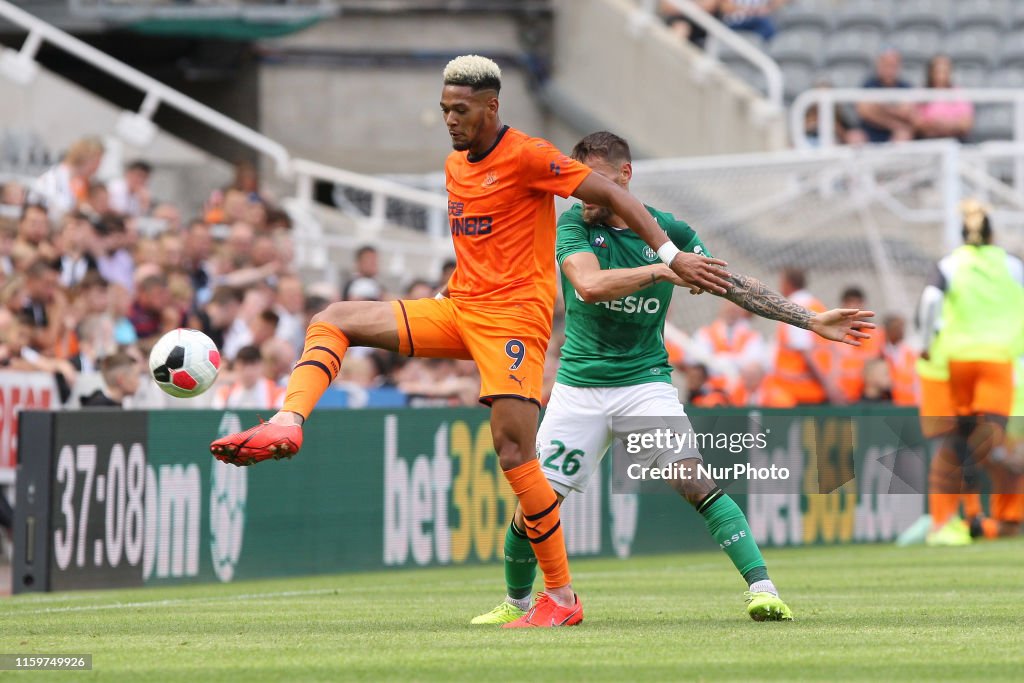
[(510, 452), (335, 314)]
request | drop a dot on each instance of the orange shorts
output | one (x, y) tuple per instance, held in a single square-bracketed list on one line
[(508, 342), (981, 387), (938, 414)]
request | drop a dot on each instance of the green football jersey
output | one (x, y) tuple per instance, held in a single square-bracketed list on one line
[(617, 343)]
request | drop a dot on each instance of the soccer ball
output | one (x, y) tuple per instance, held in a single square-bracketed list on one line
[(184, 363)]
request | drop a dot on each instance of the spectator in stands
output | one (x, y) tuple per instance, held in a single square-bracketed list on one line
[(264, 327), (756, 389), (34, 233), (115, 261), (239, 243), (152, 314), (121, 379), (16, 352), (97, 202), (887, 122), (66, 185), (197, 247), (169, 215), (847, 129), (43, 307), (130, 194), (219, 318), (728, 342), (683, 26), (8, 236), (249, 387), (700, 391), (279, 358), (877, 383), (289, 301), (801, 362), (848, 362), (751, 15), (419, 289), (12, 197), (902, 359), (95, 342), (446, 273), (77, 242), (367, 267), (944, 119)]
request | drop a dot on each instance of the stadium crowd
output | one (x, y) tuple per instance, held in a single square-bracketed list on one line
[(92, 273)]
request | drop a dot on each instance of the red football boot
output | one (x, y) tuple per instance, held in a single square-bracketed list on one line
[(547, 613), (262, 442)]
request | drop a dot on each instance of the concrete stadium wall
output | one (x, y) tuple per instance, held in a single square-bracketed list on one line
[(325, 97), (639, 81), (59, 111)]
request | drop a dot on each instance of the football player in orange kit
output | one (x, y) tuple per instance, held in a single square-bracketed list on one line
[(496, 309)]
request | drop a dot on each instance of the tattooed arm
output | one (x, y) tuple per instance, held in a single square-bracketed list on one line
[(756, 297), (844, 325)]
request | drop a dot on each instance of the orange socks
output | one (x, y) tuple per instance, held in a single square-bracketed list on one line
[(542, 521), (317, 367)]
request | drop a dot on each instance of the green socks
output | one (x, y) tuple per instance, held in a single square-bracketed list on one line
[(728, 525), (520, 563)]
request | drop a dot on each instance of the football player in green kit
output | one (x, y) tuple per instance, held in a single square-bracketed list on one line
[(614, 365)]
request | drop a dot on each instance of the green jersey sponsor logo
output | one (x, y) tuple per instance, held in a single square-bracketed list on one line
[(618, 342)]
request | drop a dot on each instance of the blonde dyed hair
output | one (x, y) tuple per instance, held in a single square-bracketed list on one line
[(474, 71)]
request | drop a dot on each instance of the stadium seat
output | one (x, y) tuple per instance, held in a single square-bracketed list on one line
[(798, 77), (915, 71), (992, 122), (920, 13), (872, 14), (985, 13), (917, 43), (848, 75), (856, 46), (1013, 49), (1016, 15), (804, 14), (974, 45), (970, 75), (802, 45), (1007, 77)]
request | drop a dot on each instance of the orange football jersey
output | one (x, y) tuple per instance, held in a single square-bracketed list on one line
[(501, 211)]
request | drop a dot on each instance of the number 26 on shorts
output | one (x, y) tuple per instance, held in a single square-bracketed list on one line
[(515, 350)]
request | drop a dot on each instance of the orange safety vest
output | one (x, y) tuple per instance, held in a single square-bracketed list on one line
[(792, 374), (768, 395), (719, 334), (902, 361), (850, 362)]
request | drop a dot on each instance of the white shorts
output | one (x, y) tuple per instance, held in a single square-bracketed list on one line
[(580, 424)]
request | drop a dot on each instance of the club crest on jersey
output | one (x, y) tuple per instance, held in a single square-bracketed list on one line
[(491, 179), (650, 254), (599, 242)]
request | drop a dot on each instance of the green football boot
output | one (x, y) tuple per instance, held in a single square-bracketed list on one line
[(767, 607), (502, 614)]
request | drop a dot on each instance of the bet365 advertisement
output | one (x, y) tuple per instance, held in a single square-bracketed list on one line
[(133, 498)]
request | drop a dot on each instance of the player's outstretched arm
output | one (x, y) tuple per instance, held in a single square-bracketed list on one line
[(699, 272), (593, 284), (846, 325)]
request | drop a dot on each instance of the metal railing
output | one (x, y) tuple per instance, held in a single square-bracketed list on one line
[(827, 98), (138, 129), (720, 35)]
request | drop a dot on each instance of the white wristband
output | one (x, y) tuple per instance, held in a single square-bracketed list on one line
[(667, 252)]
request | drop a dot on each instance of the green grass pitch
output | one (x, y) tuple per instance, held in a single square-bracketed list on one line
[(873, 613)]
